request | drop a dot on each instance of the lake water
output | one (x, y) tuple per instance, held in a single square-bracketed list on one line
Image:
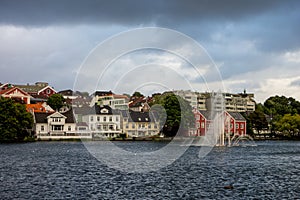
[(66, 170)]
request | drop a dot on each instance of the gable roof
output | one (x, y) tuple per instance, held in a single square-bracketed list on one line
[(136, 116), (36, 88), (70, 116), (237, 116), (209, 115), (47, 87), (56, 114), (96, 110), (9, 90), (42, 117)]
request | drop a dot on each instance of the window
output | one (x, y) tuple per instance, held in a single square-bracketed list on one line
[(237, 126), (99, 127), (149, 125), (127, 126), (105, 127), (69, 128), (92, 118), (48, 91), (242, 126), (42, 128), (104, 119), (98, 118), (117, 119), (202, 125), (110, 119), (133, 126), (56, 119), (111, 127)]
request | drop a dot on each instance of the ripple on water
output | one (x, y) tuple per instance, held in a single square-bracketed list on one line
[(65, 170)]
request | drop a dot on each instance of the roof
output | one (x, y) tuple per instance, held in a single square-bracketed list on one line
[(237, 116), (96, 110), (70, 116), (38, 107), (120, 96), (99, 110), (135, 116), (81, 124), (66, 92), (103, 93), (42, 117), (209, 115), (34, 88), (8, 90)]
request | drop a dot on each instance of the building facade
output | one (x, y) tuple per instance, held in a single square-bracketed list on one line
[(108, 98), (57, 125), (15, 93), (139, 124), (103, 121), (233, 122)]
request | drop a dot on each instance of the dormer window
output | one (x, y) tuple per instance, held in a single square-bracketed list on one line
[(104, 111), (139, 119)]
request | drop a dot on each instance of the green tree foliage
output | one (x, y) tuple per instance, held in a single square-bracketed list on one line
[(289, 125), (137, 94), (56, 101), (258, 120), (14, 121), (281, 109), (179, 114), (281, 105)]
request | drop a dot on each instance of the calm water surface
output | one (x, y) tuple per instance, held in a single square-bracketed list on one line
[(66, 170)]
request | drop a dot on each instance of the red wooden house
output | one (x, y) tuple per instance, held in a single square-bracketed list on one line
[(15, 93), (38, 90), (234, 122)]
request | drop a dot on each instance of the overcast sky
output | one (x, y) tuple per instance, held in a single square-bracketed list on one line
[(255, 44)]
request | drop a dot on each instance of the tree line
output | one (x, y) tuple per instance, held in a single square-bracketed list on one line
[(278, 116)]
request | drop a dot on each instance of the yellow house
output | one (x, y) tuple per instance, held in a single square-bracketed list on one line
[(139, 124)]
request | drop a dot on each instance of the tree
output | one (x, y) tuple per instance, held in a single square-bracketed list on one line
[(137, 94), (56, 101), (179, 114), (14, 121), (258, 120), (289, 125), (281, 105)]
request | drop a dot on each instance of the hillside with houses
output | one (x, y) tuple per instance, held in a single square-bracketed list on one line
[(106, 115)]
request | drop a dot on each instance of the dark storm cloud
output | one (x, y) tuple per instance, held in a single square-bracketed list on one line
[(45, 12), (274, 25)]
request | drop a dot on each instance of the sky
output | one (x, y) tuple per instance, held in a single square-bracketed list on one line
[(253, 45)]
